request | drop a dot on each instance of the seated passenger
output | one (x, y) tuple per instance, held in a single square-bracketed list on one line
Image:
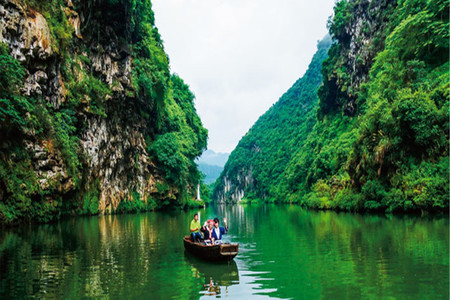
[(195, 229), (207, 231), (217, 231)]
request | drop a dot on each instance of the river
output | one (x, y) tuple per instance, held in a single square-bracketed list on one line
[(286, 252)]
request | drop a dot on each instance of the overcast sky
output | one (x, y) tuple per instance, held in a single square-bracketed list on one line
[(239, 56)]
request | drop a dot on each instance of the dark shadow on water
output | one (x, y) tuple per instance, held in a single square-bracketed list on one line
[(217, 276)]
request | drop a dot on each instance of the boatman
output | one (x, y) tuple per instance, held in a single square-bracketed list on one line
[(195, 229)]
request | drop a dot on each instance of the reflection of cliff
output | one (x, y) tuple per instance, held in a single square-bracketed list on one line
[(117, 256)]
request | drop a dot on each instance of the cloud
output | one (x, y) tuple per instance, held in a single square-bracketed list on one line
[(239, 56)]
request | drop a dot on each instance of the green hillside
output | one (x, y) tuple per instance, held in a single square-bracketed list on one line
[(377, 138), (267, 147)]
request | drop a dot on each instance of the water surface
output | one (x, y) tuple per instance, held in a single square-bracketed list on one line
[(286, 252)]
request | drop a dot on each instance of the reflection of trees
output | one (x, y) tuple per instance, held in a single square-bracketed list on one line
[(307, 253), (350, 255), (241, 220), (124, 256)]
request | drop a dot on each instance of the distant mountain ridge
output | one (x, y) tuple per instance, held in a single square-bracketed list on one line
[(210, 157), (211, 172), (211, 164)]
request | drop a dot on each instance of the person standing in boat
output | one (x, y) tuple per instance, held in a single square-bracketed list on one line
[(195, 229), (218, 231)]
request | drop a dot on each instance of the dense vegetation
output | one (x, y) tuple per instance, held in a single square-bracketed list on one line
[(173, 131), (269, 143), (379, 145)]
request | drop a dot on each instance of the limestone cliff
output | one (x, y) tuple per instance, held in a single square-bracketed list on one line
[(233, 189), (99, 71), (374, 135), (359, 29)]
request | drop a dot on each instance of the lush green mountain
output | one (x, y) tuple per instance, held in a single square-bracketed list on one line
[(263, 153), (378, 136), (91, 119)]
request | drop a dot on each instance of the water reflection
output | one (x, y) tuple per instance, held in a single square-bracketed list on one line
[(119, 256), (216, 276), (284, 252), (312, 255)]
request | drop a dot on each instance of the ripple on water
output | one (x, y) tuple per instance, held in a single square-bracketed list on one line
[(284, 253)]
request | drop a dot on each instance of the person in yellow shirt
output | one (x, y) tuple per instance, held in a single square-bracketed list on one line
[(195, 229)]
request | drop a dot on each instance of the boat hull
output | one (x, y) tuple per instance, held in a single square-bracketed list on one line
[(222, 252)]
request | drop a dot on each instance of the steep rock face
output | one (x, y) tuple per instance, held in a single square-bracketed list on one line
[(360, 32), (95, 70), (233, 187), (28, 36), (114, 146), (26, 32)]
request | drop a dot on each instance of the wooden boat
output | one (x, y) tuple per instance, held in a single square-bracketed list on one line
[(226, 251)]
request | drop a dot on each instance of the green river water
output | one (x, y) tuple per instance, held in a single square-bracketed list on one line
[(285, 252)]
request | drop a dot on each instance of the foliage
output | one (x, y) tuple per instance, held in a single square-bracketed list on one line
[(176, 136), (266, 148), (11, 76), (191, 203), (90, 203), (406, 122), (393, 155), (205, 192), (90, 199), (172, 129), (23, 118), (182, 137), (343, 14), (85, 88), (136, 204)]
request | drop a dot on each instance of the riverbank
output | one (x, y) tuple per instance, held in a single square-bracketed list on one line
[(125, 207), (322, 205)]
